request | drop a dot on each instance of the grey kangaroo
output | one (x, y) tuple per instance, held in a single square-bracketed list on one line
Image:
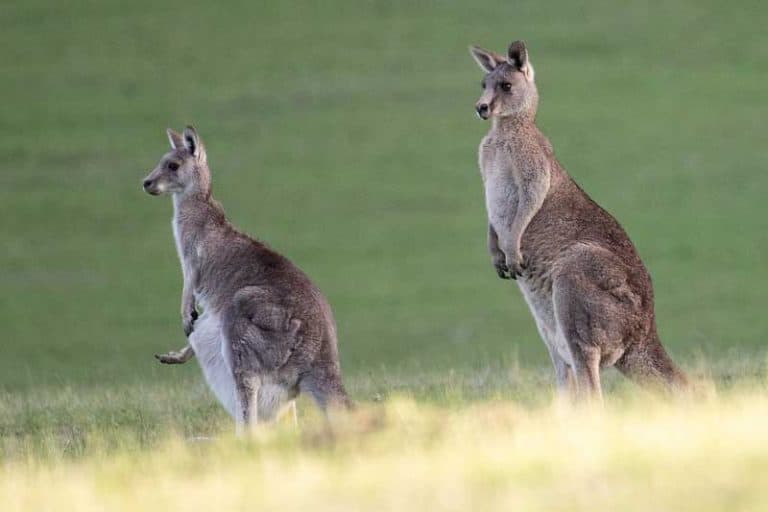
[(266, 332), (582, 278)]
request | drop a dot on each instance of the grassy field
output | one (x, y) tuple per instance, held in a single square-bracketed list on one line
[(637, 455), (343, 134)]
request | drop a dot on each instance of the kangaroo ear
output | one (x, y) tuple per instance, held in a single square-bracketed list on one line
[(175, 139), (517, 56), (487, 60), (193, 143)]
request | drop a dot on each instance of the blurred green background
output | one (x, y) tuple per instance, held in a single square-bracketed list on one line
[(343, 134)]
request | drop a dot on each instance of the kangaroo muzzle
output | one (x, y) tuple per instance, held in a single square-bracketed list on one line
[(150, 187), (483, 110)]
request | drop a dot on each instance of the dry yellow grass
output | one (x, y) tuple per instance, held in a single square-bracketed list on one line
[(403, 455)]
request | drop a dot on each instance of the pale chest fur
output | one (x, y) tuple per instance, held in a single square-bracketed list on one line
[(190, 253), (179, 249), (178, 238), (498, 168)]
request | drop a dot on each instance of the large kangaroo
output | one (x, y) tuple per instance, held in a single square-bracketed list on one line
[(266, 332), (583, 280)]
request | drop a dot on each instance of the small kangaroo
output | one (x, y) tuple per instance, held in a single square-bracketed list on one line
[(582, 278), (266, 332)]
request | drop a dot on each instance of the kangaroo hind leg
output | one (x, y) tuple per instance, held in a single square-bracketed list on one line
[(578, 328), (326, 390), (271, 399)]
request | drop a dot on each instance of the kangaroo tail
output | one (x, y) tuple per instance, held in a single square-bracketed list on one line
[(647, 363)]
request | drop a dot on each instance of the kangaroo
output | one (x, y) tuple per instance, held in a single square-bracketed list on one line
[(266, 332), (582, 278)]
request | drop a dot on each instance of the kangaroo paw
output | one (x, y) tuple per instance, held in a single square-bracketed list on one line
[(171, 358)]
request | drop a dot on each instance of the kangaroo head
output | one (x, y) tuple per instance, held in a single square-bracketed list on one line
[(182, 170), (508, 86)]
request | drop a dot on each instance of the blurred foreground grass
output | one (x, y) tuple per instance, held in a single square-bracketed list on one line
[(468, 441)]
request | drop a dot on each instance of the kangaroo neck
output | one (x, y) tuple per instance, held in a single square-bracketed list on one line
[(514, 126), (193, 214), (521, 134)]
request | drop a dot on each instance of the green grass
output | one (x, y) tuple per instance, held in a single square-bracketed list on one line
[(343, 134), (345, 137)]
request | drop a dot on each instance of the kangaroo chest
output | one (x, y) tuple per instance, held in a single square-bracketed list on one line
[(190, 251), (498, 168), (184, 246)]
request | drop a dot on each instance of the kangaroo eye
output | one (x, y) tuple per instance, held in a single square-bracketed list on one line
[(173, 166), (506, 86)]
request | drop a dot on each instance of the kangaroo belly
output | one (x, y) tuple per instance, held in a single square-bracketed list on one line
[(207, 342)]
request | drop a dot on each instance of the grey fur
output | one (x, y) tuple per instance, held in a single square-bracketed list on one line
[(276, 331), (587, 288)]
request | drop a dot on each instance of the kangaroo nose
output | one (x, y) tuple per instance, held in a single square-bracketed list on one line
[(146, 184), (482, 110)]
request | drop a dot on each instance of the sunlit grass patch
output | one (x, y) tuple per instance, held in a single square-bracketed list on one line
[(638, 453)]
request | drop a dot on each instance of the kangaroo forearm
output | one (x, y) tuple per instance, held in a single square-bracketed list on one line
[(533, 189), (498, 257), (185, 354), (493, 240), (177, 357), (513, 240), (188, 310), (187, 300)]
